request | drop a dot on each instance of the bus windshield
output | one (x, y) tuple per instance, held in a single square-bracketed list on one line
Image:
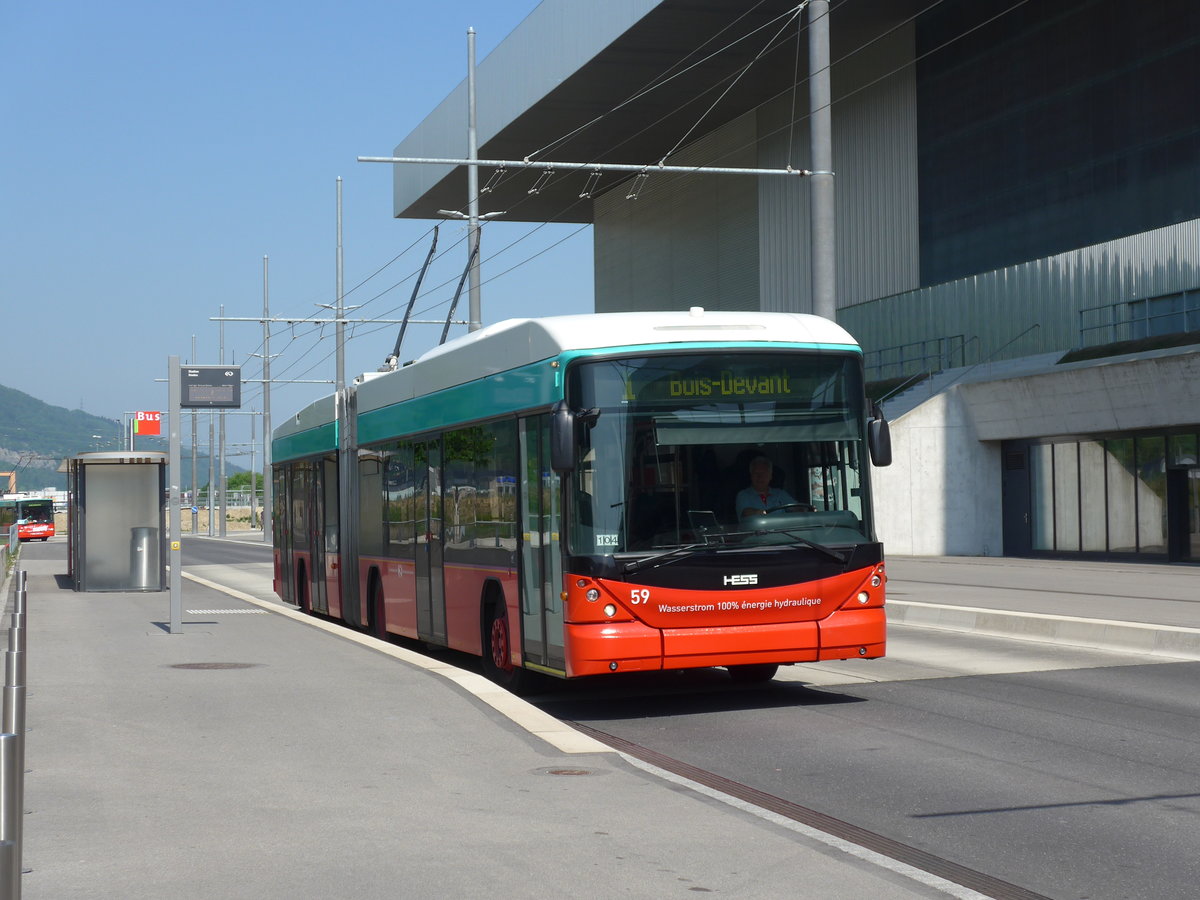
[(667, 461), (37, 511)]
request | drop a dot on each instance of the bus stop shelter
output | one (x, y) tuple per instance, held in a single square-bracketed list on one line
[(117, 521)]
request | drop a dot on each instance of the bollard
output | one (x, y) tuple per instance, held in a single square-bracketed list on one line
[(14, 694), (20, 597), (12, 757), (8, 863), (11, 799)]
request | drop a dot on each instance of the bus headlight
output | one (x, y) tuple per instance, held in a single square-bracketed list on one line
[(863, 596), (593, 595), (610, 610), (875, 581)]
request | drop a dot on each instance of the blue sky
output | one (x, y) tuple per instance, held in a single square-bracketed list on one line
[(154, 152)]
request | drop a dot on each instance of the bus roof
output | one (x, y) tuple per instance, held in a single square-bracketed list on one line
[(517, 342), (513, 343)]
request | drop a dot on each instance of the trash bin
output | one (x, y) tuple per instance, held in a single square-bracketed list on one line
[(143, 559)]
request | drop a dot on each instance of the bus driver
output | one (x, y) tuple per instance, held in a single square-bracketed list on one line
[(760, 498)]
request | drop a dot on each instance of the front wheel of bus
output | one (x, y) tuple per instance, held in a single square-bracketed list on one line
[(753, 674), (497, 648)]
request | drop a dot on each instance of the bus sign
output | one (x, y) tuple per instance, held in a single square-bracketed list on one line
[(147, 423)]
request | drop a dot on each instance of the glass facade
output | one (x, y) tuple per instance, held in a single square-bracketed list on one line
[(1112, 496), (1035, 141)]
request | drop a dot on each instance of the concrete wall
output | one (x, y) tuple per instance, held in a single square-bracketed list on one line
[(1119, 394), (941, 494)]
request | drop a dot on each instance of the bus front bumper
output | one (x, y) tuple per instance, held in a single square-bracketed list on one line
[(597, 649)]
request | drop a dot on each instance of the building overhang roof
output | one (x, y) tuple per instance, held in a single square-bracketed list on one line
[(560, 87)]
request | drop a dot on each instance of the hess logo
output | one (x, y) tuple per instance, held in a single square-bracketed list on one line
[(731, 580)]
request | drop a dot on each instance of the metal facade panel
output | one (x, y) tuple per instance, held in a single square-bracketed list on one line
[(687, 240), (996, 311), (875, 190)]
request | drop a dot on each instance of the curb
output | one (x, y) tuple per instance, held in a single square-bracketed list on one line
[(1106, 634)]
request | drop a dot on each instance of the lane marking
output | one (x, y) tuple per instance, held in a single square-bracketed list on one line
[(226, 612)]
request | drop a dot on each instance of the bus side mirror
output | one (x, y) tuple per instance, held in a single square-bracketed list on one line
[(879, 440), (562, 437)]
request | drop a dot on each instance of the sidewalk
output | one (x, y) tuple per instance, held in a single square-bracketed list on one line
[(258, 756)]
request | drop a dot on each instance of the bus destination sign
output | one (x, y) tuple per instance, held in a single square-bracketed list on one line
[(733, 381), (210, 387)]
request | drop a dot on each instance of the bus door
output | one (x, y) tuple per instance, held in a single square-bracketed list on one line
[(281, 500), (318, 522), (541, 561), (431, 595), (331, 537)]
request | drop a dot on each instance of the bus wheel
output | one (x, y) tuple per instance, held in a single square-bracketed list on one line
[(497, 647), (753, 674)]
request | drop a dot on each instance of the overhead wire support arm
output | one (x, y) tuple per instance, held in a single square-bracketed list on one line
[(298, 321), (589, 167)]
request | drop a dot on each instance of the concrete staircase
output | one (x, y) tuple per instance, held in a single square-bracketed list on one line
[(909, 399)]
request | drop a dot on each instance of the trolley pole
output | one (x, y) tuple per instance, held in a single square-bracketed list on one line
[(821, 208), (267, 486), (195, 484), (223, 507), (175, 557), (475, 313)]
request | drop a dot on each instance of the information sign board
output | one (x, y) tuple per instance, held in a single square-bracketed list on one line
[(210, 387)]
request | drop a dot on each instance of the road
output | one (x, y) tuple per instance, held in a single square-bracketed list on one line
[(1070, 772), (236, 563)]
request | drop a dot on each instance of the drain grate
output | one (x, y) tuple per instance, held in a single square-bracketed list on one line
[(214, 665), (560, 771)]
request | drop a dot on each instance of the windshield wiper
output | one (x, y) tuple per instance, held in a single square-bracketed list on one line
[(828, 551), (680, 552), (665, 557)]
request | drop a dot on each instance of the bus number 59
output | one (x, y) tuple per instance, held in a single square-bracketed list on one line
[(641, 595)]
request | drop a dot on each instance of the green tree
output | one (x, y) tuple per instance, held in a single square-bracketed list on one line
[(241, 481)]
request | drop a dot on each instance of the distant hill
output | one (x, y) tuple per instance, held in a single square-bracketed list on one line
[(35, 437)]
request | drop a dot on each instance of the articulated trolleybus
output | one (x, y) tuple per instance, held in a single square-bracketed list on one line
[(560, 495)]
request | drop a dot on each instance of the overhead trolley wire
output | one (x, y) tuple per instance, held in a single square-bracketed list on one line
[(362, 330)]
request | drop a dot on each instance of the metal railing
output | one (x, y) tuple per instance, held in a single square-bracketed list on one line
[(931, 355), (937, 388), (8, 549), (1145, 317), (12, 750)]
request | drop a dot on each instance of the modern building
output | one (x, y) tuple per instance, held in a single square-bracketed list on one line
[(1017, 197)]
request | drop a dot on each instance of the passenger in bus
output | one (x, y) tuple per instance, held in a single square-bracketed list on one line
[(760, 498)]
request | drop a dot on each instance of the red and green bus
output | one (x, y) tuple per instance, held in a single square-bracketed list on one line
[(559, 495)]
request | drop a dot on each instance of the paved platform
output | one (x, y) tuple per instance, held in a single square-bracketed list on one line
[(257, 755)]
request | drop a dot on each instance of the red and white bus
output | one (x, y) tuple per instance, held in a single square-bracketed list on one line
[(34, 517), (561, 495)]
